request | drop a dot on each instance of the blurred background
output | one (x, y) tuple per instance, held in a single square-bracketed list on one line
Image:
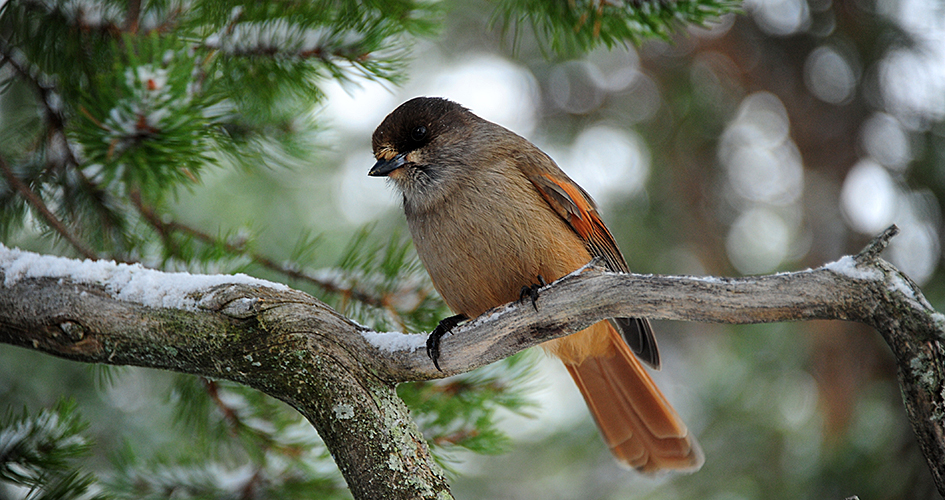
[(776, 140)]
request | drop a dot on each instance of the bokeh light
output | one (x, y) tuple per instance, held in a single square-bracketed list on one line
[(765, 172), (780, 17), (359, 199), (829, 76), (572, 87), (357, 108), (492, 87), (868, 197), (913, 84), (758, 241), (916, 250), (886, 141), (607, 161)]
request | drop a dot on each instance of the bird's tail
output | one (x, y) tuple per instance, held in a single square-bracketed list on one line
[(641, 428)]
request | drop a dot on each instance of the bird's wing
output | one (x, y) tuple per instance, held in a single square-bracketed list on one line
[(578, 209)]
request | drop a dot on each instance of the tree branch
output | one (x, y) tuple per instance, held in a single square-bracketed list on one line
[(36, 202), (166, 227), (341, 376), (282, 342), (49, 99)]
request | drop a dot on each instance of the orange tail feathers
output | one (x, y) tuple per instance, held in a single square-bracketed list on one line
[(641, 428)]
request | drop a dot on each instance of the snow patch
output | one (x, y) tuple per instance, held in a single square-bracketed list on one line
[(846, 266), (939, 320), (395, 341), (126, 282), (898, 284)]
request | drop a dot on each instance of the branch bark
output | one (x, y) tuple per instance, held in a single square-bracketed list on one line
[(342, 376), (282, 342)]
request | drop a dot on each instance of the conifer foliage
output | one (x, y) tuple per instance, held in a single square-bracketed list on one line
[(110, 108), (136, 100)]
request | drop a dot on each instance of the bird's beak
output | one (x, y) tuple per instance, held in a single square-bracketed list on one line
[(385, 167)]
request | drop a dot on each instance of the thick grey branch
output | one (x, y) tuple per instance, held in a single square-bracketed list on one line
[(863, 288), (295, 348), (284, 343), (870, 292)]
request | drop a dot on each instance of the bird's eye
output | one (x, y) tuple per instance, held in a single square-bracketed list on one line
[(418, 134)]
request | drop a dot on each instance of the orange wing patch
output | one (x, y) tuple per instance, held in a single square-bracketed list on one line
[(576, 207)]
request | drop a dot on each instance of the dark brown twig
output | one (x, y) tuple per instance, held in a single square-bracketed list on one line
[(37, 203), (132, 15), (166, 228), (48, 99)]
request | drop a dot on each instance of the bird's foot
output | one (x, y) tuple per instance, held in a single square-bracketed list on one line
[(531, 291), (433, 341)]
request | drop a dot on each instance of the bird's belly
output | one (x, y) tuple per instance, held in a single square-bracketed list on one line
[(477, 265)]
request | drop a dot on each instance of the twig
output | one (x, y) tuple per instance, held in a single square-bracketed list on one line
[(131, 16), (37, 203), (48, 98), (165, 228), (876, 245), (229, 414)]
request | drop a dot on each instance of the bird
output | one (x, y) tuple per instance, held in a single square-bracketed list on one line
[(492, 217)]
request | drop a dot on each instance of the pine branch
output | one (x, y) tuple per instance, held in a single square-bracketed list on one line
[(60, 151), (81, 14), (37, 203), (166, 228), (38, 452), (50, 100), (578, 26)]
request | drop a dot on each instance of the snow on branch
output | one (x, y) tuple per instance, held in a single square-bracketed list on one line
[(254, 332), (125, 282), (284, 38)]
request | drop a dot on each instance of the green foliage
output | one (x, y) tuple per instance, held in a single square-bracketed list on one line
[(233, 442), (40, 453), (460, 412), (574, 27), (150, 132), (137, 108), (383, 285)]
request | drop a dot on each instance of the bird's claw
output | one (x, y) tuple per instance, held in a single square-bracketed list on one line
[(531, 291), (433, 341)]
